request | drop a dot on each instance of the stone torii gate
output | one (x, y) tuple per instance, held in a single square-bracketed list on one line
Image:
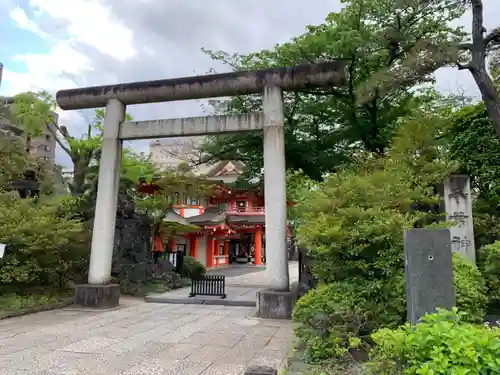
[(99, 292)]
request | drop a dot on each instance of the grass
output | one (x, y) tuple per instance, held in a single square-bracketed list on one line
[(12, 302)]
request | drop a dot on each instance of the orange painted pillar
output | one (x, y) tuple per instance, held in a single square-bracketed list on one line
[(172, 244), (158, 243), (226, 252), (181, 212), (210, 252), (194, 248), (258, 246)]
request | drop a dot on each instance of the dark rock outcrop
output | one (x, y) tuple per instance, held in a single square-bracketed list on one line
[(133, 264)]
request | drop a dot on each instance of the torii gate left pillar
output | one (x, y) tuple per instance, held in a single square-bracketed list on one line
[(276, 300)]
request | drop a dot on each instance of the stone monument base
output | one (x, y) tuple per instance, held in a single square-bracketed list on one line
[(97, 296), (276, 304)]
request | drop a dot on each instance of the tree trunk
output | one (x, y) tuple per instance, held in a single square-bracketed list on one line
[(489, 95), (478, 51), (78, 185)]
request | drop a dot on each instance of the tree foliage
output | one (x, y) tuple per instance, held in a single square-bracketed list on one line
[(36, 109), (46, 245), (385, 47), (353, 227), (173, 187), (475, 147)]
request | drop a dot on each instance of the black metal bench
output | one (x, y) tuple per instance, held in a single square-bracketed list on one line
[(209, 285)]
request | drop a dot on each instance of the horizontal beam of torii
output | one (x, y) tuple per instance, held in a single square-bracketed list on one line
[(208, 86)]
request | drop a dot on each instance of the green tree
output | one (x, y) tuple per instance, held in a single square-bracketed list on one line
[(36, 109), (46, 245), (475, 147), (381, 43), (173, 186), (28, 112), (13, 159)]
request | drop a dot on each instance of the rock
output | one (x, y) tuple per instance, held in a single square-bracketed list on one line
[(133, 264)]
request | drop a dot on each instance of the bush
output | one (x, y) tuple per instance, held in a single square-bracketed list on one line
[(489, 264), (192, 268), (334, 315), (442, 343), (45, 245), (470, 289)]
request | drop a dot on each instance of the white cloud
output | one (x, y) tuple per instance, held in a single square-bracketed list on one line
[(22, 21), (46, 71), (88, 23), (91, 23), (77, 23)]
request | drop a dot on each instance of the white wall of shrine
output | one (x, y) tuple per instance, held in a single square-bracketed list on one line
[(188, 212), (202, 250)]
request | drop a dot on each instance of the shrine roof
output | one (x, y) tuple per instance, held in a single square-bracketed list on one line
[(212, 215), (246, 219)]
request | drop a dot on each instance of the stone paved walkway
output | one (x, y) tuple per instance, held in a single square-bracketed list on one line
[(242, 284), (142, 339)]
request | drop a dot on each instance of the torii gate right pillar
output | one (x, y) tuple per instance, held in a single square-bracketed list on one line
[(275, 190)]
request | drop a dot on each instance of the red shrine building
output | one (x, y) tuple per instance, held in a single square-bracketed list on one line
[(231, 222)]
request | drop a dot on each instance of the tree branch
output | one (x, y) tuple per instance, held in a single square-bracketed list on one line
[(59, 142), (466, 46), (493, 37), (465, 66)]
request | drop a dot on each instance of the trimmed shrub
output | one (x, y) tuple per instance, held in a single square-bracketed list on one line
[(442, 343), (46, 246), (334, 316), (192, 268), (489, 264), (470, 289)]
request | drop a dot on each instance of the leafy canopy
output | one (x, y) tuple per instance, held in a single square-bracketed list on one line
[(385, 45)]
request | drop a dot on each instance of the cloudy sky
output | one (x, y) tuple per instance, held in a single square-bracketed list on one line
[(56, 44)]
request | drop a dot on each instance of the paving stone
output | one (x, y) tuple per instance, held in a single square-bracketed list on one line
[(278, 343), (208, 353), (223, 340), (285, 333), (36, 360), (227, 369), (148, 367), (185, 367), (240, 354), (90, 345), (13, 371), (137, 345), (262, 331), (177, 352)]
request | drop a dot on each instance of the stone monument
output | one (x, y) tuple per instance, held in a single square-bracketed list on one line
[(428, 272), (458, 207)]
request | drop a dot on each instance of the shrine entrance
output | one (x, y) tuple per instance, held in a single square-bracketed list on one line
[(115, 98)]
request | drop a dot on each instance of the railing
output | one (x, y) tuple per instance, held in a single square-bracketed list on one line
[(246, 210), (209, 285)]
